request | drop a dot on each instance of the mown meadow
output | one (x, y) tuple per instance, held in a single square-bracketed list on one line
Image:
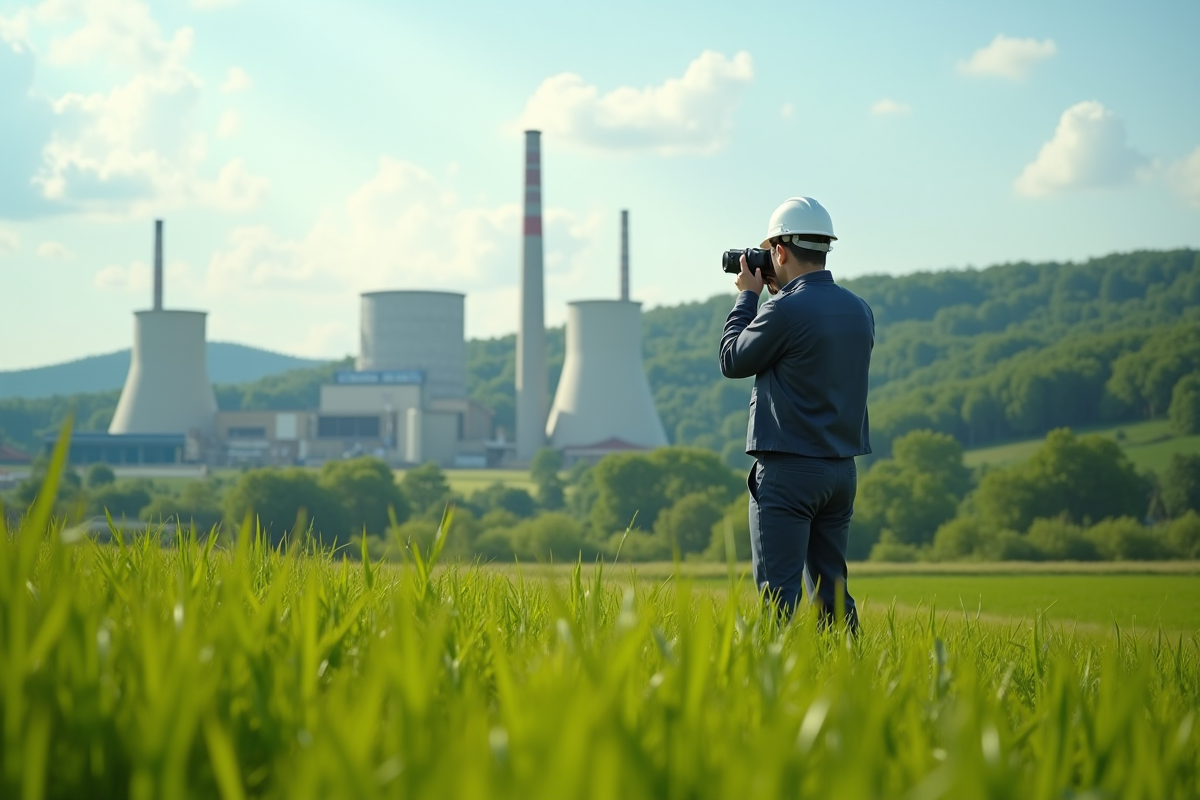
[(199, 669)]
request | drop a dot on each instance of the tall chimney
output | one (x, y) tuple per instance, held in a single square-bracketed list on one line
[(624, 254), (531, 333), (158, 269)]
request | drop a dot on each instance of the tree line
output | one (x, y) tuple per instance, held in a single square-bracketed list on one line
[(985, 355), (1077, 498)]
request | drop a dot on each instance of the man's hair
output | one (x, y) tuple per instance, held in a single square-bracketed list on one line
[(814, 258)]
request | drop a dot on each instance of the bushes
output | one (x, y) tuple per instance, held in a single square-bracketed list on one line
[(689, 523), (1081, 477), (119, 500), (1059, 540), (1126, 539)]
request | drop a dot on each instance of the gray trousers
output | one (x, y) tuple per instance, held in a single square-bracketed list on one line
[(800, 511)]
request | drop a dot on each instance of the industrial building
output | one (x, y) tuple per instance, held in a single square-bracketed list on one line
[(406, 400), (603, 404), (167, 411)]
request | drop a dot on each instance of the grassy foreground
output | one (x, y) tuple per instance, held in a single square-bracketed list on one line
[(198, 671)]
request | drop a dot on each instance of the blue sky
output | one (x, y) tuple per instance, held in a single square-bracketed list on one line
[(302, 153)]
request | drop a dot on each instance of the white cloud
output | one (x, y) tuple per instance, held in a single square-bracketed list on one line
[(117, 31), (1089, 150), (235, 189), (403, 228), (54, 251), (890, 108), (1184, 175), (236, 80), (133, 277), (229, 124), (135, 146), (1007, 58), (787, 111), (9, 242), (694, 113)]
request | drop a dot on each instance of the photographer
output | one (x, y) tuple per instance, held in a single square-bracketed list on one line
[(809, 350)]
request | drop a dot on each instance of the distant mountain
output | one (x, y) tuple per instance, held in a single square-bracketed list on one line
[(227, 363)]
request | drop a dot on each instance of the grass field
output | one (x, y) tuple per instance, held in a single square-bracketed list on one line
[(1142, 595), (197, 670), (1149, 445), (1142, 601)]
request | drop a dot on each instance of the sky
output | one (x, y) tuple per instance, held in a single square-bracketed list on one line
[(303, 153)]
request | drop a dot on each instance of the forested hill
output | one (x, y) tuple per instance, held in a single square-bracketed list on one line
[(985, 355)]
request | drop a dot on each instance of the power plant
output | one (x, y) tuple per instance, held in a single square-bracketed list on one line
[(406, 400), (167, 389), (603, 403)]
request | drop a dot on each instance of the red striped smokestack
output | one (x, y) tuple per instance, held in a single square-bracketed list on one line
[(158, 267), (531, 332)]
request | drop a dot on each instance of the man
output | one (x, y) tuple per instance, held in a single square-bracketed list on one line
[(809, 350)]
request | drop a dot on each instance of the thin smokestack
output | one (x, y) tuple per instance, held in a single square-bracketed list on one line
[(531, 333), (158, 265), (624, 255)]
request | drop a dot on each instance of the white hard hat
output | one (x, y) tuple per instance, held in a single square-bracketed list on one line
[(802, 215)]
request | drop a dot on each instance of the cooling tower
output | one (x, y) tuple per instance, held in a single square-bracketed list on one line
[(531, 331), (416, 330), (603, 393), (167, 389)]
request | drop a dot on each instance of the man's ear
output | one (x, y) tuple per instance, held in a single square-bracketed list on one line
[(781, 253)]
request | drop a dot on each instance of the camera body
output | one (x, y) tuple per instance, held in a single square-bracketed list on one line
[(756, 259)]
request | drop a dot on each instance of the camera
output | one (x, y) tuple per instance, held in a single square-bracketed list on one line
[(756, 259)]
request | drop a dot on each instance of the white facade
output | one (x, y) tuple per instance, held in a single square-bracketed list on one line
[(416, 330), (603, 393), (167, 389)]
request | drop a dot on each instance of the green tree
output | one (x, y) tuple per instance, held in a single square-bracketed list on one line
[(119, 500), (1183, 534), (735, 520), (627, 485), (278, 498), (1185, 405), (100, 475), (689, 523), (198, 504), (367, 489), (687, 470), (512, 499), (548, 536), (426, 488), (1126, 539), (917, 490), (1083, 478), (70, 487), (546, 463), (1180, 489), (544, 469)]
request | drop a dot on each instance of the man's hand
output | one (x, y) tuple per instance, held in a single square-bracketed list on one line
[(748, 281)]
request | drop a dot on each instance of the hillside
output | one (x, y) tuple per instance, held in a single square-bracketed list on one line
[(227, 363), (995, 355), (1149, 445), (988, 355)]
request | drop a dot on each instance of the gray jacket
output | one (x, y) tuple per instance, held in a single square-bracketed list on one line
[(809, 350)]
